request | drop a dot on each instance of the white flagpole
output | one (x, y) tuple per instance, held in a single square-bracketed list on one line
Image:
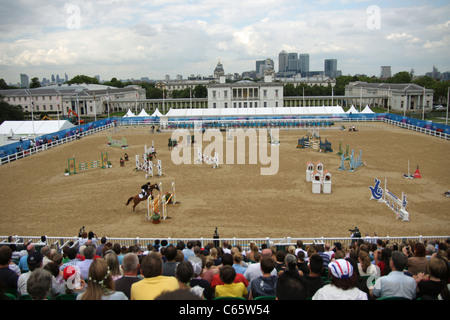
[(423, 104), (95, 110), (78, 110), (448, 96), (136, 104), (32, 107)]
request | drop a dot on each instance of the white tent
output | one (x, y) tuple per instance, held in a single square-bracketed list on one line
[(352, 110), (129, 114), (258, 112), (41, 127), (367, 110), (157, 113), (143, 113)]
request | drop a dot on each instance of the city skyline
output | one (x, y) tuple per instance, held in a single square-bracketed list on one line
[(129, 40)]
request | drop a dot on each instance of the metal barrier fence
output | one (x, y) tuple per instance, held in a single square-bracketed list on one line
[(280, 243)]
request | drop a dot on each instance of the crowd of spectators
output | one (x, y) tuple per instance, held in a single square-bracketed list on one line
[(96, 269)]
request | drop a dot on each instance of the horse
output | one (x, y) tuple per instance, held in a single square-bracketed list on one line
[(136, 199)]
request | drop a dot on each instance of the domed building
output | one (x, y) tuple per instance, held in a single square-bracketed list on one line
[(218, 71)]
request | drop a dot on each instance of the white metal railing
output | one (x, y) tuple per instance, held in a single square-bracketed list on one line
[(430, 132), (244, 243), (37, 149)]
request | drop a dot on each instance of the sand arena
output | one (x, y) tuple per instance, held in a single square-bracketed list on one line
[(38, 199)]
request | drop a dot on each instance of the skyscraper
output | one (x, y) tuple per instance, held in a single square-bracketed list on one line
[(330, 68), (282, 61), (304, 63), (24, 81), (385, 72)]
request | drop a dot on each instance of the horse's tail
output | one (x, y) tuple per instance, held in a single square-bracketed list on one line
[(129, 200)]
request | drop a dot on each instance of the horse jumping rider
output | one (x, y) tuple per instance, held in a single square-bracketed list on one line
[(144, 189)]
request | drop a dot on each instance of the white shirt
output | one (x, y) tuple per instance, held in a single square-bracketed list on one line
[(331, 292)]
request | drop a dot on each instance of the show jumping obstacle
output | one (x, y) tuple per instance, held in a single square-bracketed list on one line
[(355, 163), (147, 164), (320, 179), (214, 161), (158, 205), (102, 163), (394, 203), (117, 143)]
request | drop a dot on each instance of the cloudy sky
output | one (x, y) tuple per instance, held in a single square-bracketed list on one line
[(133, 39)]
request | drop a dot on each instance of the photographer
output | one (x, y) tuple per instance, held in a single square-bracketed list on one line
[(355, 234)]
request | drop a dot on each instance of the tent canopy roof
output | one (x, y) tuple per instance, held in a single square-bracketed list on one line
[(40, 127)]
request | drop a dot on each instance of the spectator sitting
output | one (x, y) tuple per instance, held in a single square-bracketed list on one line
[(290, 286), (130, 267), (198, 264), (23, 260), (73, 261), (417, 263), (209, 270), (187, 251), (154, 283), (101, 246), (230, 288), (58, 284), (302, 265), (343, 283), (34, 262), (100, 284), (237, 265), (184, 273), (325, 257), (170, 265), (279, 261), (300, 248), (365, 267), (254, 270), (7, 276), (266, 284), (74, 284), (113, 264), (227, 260), (46, 251), (313, 280), (39, 284), (430, 285), (396, 283), (84, 265)]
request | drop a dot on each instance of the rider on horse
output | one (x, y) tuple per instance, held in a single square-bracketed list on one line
[(144, 189)]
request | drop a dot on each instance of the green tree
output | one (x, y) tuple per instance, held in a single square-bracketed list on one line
[(83, 79), (35, 83), (9, 112), (400, 77), (114, 83), (200, 91), (289, 90)]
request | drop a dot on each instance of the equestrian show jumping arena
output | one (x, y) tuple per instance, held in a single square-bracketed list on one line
[(38, 199)]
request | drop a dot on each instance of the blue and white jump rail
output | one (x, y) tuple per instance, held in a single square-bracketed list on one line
[(393, 202)]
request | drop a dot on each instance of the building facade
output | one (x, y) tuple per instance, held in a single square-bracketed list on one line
[(407, 97), (245, 94)]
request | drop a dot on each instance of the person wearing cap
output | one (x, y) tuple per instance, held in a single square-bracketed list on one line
[(344, 283), (34, 261), (23, 260)]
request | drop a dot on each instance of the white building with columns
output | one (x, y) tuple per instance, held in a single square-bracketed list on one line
[(245, 94)]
